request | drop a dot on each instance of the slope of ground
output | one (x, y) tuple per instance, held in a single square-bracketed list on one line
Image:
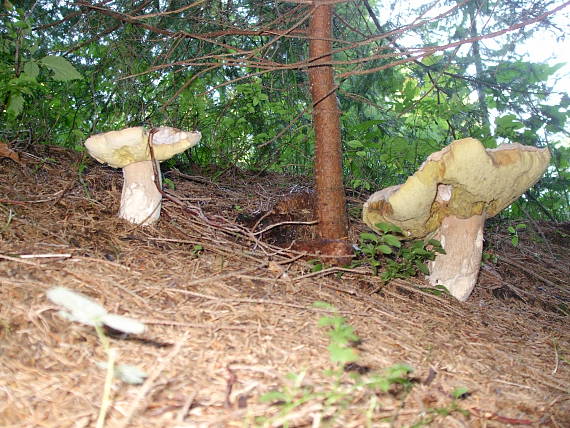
[(229, 316)]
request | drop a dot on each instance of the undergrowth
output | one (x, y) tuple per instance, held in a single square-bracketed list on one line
[(391, 258), (350, 385), (347, 381)]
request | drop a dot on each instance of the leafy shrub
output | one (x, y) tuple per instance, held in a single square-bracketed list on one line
[(400, 260)]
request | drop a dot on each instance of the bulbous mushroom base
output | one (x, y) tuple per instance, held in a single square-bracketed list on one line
[(140, 199), (457, 270)]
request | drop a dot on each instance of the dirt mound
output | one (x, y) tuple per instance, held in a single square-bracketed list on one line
[(229, 316)]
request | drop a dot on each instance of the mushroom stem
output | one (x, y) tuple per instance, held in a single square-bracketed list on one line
[(457, 270), (141, 199)]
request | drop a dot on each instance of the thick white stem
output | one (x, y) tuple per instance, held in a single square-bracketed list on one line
[(140, 200), (462, 240)]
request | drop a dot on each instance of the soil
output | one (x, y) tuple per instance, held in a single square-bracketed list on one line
[(229, 314)]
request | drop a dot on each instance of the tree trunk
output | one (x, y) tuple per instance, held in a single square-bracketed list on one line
[(331, 205)]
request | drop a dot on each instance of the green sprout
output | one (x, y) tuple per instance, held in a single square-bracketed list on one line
[(338, 397), (169, 183), (514, 233)]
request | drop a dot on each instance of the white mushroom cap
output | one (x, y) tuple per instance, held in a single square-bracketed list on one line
[(121, 148)]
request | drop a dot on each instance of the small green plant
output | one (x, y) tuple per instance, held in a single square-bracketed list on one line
[(169, 183), (197, 249), (84, 310), (490, 257), (401, 261), (514, 233), (373, 245), (457, 394), (316, 265), (355, 212), (460, 393), (341, 336), (411, 259), (436, 290), (344, 387), (81, 166), (358, 183)]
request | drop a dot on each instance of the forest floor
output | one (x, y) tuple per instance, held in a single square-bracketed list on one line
[(230, 317)]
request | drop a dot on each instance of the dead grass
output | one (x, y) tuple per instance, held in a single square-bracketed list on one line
[(227, 323)]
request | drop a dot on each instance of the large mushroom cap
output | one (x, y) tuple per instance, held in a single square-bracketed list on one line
[(463, 179), (121, 148)]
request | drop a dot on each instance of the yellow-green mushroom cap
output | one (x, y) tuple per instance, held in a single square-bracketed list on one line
[(478, 181), (121, 148)]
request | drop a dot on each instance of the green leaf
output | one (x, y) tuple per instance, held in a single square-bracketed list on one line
[(399, 370), (421, 252), (62, 69), (169, 183), (460, 392), (317, 265), (356, 183), (507, 124), (342, 354), (385, 249), (15, 105), (366, 124), (392, 240), (273, 396), (342, 333), (432, 291), (32, 69), (329, 321), (365, 236), (435, 243), (383, 384), (354, 144), (324, 305), (388, 227), (422, 267), (442, 288), (396, 374)]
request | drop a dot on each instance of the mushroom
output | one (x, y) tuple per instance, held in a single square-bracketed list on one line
[(129, 149), (449, 198)]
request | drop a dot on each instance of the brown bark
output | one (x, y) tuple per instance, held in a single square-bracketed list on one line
[(331, 210)]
